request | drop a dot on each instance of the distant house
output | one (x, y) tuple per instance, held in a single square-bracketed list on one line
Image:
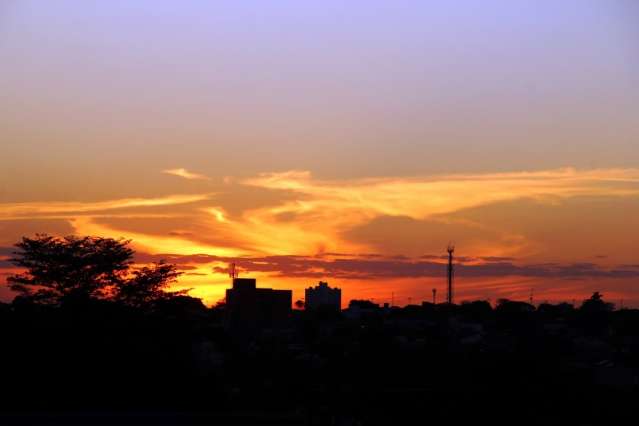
[(323, 297), (249, 307), (358, 309)]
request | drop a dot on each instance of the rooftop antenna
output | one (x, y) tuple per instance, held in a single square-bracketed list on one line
[(450, 249), (434, 296), (531, 296), (233, 272)]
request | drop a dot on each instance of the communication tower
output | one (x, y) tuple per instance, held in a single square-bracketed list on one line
[(451, 251)]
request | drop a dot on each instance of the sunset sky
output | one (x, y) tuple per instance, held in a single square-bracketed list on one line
[(347, 141)]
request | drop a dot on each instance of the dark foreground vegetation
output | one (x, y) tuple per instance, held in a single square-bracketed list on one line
[(100, 357)]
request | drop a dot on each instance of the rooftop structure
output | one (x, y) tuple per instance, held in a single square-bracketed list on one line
[(250, 307), (323, 297)]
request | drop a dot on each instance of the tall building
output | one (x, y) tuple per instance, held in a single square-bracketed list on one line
[(322, 296), (250, 307)]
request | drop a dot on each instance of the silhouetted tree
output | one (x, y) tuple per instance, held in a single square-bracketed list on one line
[(363, 304), (299, 304), (514, 314), (513, 306), (477, 309), (179, 304), (148, 285), (596, 304), (57, 269), (556, 311), (220, 304)]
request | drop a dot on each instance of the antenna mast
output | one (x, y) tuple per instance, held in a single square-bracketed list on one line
[(450, 249), (233, 272)]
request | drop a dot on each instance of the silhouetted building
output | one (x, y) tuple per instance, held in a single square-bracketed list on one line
[(324, 297), (248, 306), (358, 309)]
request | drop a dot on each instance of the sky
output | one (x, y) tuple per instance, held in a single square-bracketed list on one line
[(327, 140)]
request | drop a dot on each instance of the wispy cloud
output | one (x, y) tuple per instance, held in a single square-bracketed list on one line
[(183, 173), (325, 210), (421, 197), (9, 211)]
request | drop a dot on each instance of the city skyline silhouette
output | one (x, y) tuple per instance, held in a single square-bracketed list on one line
[(326, 212)]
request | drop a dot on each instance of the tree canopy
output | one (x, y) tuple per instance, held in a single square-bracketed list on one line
[(57, 269), (596, 304), (148, 285)]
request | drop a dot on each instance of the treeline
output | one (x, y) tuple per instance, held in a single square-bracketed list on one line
[(90, 332)]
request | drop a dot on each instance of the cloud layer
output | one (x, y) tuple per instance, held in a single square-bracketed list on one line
[(563, 224), (375, 266)]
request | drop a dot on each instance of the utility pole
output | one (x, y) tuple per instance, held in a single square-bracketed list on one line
[(434, 296)]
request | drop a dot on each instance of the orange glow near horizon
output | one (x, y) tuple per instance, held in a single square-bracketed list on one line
[(520, 219)]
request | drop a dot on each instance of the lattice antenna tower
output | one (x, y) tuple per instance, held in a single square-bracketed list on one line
[(451, 272)]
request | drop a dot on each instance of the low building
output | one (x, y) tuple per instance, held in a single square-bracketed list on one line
[(250, 307), (359, 309), (323, 297)]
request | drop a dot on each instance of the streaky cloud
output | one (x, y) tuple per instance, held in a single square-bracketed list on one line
[(12, 211), (184, 173)]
